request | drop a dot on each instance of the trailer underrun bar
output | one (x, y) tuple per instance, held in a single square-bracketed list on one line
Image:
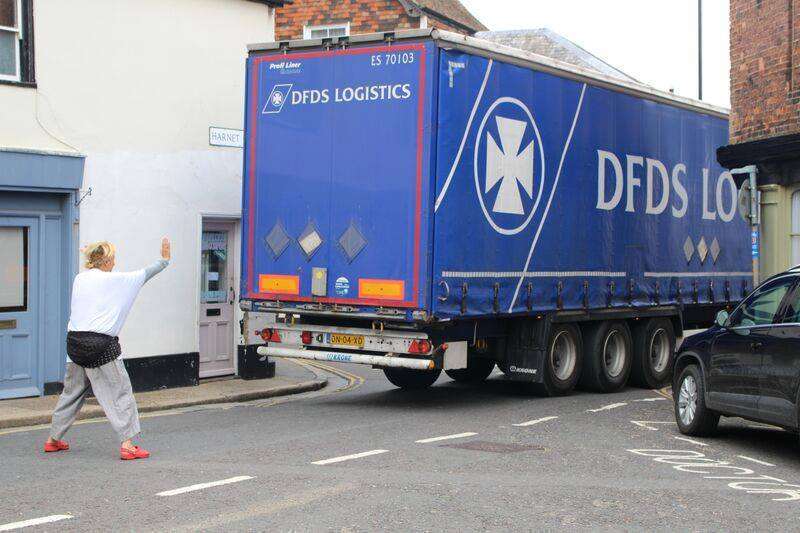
[(383, 361)]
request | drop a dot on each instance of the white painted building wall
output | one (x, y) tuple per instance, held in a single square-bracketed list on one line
[(134, 85)]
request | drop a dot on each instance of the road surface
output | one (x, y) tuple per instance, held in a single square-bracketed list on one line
[(362, 455)]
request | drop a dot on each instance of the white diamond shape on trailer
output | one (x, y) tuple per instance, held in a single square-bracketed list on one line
[(714, 249), (310, 240), (702, 249), (688, 249)]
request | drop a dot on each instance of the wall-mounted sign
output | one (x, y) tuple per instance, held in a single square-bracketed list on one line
[(225, 137)]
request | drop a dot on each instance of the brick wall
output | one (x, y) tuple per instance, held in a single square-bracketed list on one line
[(765, 58), (365, 16)]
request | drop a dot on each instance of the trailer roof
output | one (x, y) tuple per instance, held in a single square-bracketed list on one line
[(507, 54)]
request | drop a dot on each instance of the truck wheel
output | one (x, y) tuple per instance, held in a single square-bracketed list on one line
[(477, 370), (608, 350), (653, 353), (408, 379), (562, 362), (691, 413)]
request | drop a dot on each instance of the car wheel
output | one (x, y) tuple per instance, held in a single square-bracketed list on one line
[(408, 379), (691, 413), (608, 358), (653, 353), (477, 370), (563, 361)]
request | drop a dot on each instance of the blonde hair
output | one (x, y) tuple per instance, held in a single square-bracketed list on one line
[(98, 253)]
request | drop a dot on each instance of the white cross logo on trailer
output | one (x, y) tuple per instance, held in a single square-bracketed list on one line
[(277, 98), (507, 165), (511, 180)]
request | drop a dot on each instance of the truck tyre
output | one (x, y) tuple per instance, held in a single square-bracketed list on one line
[(562, 361), (408, 379), (653, 353), (691, 413), (478, 369), (608, 357)]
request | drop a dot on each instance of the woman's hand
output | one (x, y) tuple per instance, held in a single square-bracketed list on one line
[(165, 249)]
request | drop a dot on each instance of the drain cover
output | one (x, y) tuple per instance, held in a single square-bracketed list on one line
[(495, 447)]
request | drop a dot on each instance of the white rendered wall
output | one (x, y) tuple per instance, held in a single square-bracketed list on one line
[(135, 85)]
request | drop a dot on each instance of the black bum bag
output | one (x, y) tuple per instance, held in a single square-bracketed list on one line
[(90, 350)]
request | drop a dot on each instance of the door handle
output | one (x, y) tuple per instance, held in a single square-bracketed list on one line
[(232, 295), (756, 345)]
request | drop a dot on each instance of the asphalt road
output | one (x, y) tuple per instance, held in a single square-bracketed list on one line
[(348, 458)]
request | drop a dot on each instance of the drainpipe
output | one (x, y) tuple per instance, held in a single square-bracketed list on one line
[(755, 219)]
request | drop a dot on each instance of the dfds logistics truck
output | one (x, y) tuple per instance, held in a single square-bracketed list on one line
[(424, 201)]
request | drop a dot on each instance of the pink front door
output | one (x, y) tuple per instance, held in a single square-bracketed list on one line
[(217, 299)]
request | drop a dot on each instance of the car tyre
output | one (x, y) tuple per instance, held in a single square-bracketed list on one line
[(608, 357), (691, 413), (653, 353), (408, 379), (563, 361)]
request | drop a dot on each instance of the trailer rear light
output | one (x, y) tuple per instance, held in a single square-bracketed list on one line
[(306, 337), (270, 335), (421, 347)]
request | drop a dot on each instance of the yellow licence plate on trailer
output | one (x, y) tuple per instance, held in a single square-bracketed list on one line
[(347, 340)]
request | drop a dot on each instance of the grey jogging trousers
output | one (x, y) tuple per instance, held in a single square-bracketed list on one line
[(112, 388)]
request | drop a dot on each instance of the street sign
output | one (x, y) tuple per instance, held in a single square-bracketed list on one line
[(225, 137)]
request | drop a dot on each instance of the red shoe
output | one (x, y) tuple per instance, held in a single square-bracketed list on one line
[(55, 446), (128, 454)]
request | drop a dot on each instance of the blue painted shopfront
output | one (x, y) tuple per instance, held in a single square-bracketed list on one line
[(38, 260)]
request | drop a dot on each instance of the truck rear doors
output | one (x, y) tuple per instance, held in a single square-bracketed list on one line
[(336, 187)]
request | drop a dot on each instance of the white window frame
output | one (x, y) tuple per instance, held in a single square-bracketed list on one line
[(794, 232), (341, 25), (18, 31)]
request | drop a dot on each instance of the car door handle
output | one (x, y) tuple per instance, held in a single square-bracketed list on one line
[(756, 345)]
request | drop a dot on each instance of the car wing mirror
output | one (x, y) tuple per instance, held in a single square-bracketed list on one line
[(722, 319)]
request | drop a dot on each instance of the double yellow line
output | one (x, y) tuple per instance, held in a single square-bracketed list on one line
[(353, 381)]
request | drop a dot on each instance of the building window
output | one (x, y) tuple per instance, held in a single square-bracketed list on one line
[(324, 32), (16, 40), (795, 228), (13, 269)]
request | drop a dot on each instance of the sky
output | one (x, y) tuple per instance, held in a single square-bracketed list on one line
[(654, 41)]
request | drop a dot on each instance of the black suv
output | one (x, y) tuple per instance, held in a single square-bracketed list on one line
[(747, 364)]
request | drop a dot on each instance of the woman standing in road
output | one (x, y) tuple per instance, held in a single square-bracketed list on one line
[(101, 300)]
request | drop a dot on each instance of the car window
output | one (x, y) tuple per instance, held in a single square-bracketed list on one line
[(762, 306), (792, 313)]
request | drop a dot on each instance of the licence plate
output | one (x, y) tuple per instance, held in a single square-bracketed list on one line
[(347, 340)]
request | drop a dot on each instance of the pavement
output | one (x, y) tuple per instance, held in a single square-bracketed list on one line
[(361, 455), (36, 411)]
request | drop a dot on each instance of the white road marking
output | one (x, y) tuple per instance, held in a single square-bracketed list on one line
[(201, 486), (533, 422), (348, 457), (754, 460), (647, 424), (34, 522), (446, 437), (607, 407), (656, 399), (684, 439)]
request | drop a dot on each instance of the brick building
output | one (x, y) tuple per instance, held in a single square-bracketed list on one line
[(765, 120), (313, 19)]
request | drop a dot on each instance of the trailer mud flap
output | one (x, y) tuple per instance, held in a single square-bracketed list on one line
[(525, 350)]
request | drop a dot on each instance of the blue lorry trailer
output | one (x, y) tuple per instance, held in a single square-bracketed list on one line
[(423, 201)]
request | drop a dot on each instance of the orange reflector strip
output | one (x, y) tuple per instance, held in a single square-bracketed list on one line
[(381, 289), (279, 284)]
